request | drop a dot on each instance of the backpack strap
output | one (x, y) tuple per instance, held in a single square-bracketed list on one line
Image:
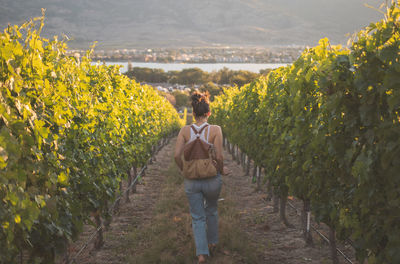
[(208, 134), (197, 133)]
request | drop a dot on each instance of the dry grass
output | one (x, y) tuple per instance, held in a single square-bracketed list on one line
[(155, 227), (168, 238)]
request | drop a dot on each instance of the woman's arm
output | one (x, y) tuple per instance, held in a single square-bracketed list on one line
[(219, 150), (180, 144)]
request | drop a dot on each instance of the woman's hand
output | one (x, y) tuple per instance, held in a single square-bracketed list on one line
[(180, 144), (226, 171)]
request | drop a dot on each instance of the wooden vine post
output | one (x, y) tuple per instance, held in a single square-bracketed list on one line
[(243, 161), (154, 152), (117, 204), (254, 176), (129, 184), (99, 241), (237, 155), (306, 222), (248, 166), (282, 211), (134, 173), (332, 239), (234, 152), (275, 202), (259, 169)]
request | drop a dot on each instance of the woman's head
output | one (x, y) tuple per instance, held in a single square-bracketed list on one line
[(200, 104)]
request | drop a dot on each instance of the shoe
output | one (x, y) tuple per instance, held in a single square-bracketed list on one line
[(212, 248)]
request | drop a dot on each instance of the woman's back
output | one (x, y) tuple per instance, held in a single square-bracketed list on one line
[(208, 134)]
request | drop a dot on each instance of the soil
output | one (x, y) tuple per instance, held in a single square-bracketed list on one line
[(271, 240)]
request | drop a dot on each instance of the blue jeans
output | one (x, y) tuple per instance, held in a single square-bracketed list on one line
[(203, 199)]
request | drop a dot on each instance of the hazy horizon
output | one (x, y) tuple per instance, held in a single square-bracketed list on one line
[(190, 23)]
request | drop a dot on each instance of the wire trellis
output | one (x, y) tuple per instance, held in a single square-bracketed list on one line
[(117, 200)]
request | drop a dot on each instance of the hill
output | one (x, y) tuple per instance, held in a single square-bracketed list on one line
[(171, 23)]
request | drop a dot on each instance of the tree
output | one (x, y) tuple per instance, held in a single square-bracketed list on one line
[(223, 76), (182, 99), (212, 88), (147, 75), (193, 76), (242, 77)]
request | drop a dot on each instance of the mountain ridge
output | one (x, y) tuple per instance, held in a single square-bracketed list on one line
[(174, 23)]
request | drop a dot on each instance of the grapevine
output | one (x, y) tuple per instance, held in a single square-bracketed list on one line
[(326, 129), (69, 132)]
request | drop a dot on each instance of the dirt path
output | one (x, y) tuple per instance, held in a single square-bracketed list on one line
[(131, 216), (282, 244), (155, 226)]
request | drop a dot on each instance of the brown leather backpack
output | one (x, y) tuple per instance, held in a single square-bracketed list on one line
[(199, 158)]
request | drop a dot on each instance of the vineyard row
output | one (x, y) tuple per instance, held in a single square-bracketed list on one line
[(326, 129), (69, 133)]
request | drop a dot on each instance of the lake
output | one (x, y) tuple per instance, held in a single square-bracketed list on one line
[(207, 67)]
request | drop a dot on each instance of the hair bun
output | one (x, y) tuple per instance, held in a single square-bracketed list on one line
[(200, 103), (199, 97), (196, 97)]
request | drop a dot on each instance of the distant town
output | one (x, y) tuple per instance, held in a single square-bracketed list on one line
[(199, 55)]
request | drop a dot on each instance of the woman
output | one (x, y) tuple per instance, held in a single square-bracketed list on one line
[(202, 194)]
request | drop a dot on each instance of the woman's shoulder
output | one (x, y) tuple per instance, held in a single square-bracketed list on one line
[(185, 132), (215, 128), (185, 128)]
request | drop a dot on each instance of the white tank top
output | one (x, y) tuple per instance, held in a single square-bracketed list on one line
[(202, 135)]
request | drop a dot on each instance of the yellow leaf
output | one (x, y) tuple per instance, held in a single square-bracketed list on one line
[(17, 219), (62, 178), (5, 225)]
